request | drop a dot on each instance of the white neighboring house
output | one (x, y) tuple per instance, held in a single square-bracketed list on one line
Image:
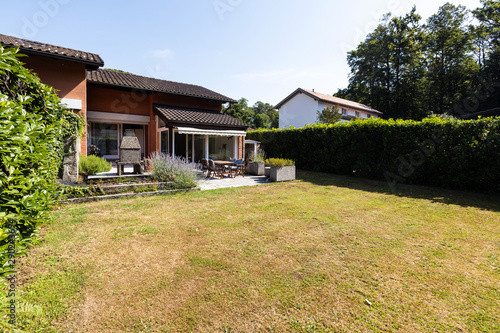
[(300, 108)]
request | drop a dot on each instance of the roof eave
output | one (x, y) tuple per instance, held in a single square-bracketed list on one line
[(163, 92), (280, 104), (352, 107), (92, 63), (210, 124)]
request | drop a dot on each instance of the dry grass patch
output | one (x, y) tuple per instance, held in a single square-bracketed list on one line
[(320, 254)]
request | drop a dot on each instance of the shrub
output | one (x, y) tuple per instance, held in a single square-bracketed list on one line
[(33, 126), (175, 169), (92, 164), (455, 153), (259, 156), (279, 162)]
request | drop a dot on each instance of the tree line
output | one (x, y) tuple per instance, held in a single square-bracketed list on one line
[(450, 64), (260, 115)]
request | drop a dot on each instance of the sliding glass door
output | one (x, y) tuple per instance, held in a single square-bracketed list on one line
[(105, 137)]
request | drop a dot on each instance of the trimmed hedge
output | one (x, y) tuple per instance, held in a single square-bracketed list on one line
[(33, 128), (462, 154)]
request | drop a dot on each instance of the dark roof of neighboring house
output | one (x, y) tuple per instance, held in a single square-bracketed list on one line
[(181, 115), (122, 79), (485, 113), (32, 47), (329, 99)]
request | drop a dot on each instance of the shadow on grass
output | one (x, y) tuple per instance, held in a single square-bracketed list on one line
[(452, 197)]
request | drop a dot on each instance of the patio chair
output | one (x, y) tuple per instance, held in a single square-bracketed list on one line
[(204, 165), (239, 168), (214, 170)]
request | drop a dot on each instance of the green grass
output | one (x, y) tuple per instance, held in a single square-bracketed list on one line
[(324, 253)]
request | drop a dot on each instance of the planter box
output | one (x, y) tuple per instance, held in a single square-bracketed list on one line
[(256, 168), (282, 174)]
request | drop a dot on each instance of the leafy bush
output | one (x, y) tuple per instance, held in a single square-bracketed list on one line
[(259, 156), (175, 169), (90, 165), (455, 153), (280, 162), (33, 126)]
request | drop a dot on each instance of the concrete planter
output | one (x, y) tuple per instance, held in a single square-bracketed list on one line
[(282, 174), (256, 168)]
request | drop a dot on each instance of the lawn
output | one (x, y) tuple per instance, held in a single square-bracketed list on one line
[(323, 253)]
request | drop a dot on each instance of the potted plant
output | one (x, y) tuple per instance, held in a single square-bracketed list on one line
[(282, 169), (256, 164), (148, 165)]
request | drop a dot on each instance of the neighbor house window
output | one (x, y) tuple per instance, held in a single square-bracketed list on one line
[(344, 112), (357, 114)]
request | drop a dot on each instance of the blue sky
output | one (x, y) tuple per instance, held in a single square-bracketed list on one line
[(260, 50)]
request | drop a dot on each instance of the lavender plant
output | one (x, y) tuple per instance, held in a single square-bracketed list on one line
[(180, 172)]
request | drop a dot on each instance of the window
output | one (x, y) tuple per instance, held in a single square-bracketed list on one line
[(357, 114), (344, 112), (105, 137), (164, 142)]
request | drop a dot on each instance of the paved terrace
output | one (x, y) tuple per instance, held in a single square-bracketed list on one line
[(205, 184)]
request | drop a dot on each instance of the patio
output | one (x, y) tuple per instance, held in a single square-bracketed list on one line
[(248, 180), (205, 183)]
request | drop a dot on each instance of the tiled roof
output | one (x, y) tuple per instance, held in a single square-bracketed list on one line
[(486, 113), (175, 114), (32, 47), (330, 99), (147, 83)]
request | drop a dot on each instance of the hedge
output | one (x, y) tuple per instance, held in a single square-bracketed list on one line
[(33, 126), (463, 154)]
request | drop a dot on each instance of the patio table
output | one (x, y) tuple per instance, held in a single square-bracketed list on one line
[(223, 164)]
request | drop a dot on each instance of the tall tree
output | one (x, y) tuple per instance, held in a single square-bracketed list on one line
[(450, 55), (240, 111), (261, 120), (489, 18), (387, 68), (268, 110)]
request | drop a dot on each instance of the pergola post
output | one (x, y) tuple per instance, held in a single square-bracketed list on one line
[(173, 142), (235, 147), (206, 147), (192, 148)]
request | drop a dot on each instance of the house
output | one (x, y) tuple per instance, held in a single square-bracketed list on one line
[(300, 108), (170, 117)]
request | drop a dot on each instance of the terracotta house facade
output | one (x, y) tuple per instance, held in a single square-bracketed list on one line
[(169, 117), (300, 108)]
